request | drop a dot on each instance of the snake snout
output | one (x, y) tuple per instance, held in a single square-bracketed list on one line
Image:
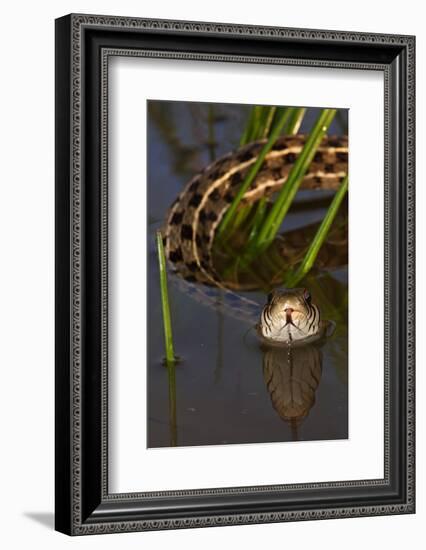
[(288, 312)]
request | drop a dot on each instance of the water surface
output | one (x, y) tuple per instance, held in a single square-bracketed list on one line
[(227, 389)]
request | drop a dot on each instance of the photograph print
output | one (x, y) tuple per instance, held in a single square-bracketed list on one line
[(247, 251)]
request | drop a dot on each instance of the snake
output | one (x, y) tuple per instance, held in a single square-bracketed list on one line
[(291, 316), (193, 218)]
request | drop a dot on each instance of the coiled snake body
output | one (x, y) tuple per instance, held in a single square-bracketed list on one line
[(193, 218)]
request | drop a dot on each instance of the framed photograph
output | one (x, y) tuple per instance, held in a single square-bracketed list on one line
[(234, 274)]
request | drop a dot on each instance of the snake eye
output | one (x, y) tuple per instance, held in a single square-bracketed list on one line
[(307, 295)]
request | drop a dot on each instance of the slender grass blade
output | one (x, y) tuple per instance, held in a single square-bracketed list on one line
[(315, 246), (167, 324), (253, 172), (283, 202)]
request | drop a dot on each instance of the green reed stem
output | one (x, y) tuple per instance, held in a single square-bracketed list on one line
[(240, 217), (268, 121), (252, 125), (261, 122), (257, 219), (253, 172), (320, 236), (296, 120), (279, 111), (280, 208), (247, 130), (167, 324), (257, 122)]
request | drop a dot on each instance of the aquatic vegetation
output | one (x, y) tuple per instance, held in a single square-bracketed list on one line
[(258, 224), (296, 120), (253, 171), (273, 221), (308, 261), (282, 223), (263, 123), (167, 323)]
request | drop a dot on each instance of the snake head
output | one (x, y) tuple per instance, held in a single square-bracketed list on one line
[(289, 315)]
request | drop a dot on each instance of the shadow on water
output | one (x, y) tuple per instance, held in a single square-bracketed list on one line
[(230, 388)]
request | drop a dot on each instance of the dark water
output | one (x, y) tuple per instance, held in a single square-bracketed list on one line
[(227, 389)]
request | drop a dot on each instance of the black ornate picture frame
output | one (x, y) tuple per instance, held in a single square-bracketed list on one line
[(84, 43)]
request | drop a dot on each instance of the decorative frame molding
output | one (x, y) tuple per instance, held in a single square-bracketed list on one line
[(84, 43)]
